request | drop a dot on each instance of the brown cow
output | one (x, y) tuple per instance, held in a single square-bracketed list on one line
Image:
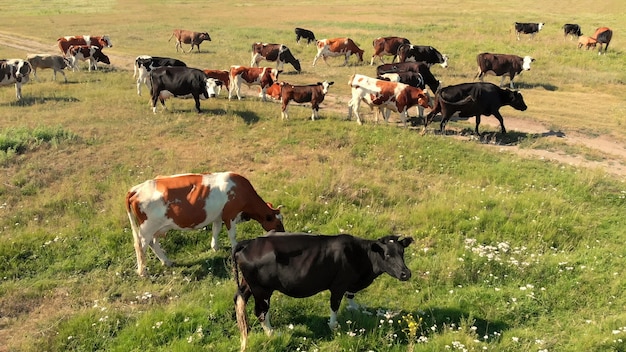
[(313, 94), (587, 42), (64, 43), (502, 65), (337, 47), (272, 91), (387, 46), (251, 76), (189, 37)]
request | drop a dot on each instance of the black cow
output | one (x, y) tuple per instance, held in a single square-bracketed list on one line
[(502, 65), (180, 81), (474, 99), (304, 33), (419, 67), (603, 35), (145, 63), (527, 28), (571, 29), (15, 71), (273, 52), (301, 265), (423, 53)]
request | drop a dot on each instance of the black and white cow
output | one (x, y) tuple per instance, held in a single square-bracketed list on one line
[(502, 65), (422, 53), (302, 33), (301, 265), (474, 99), (15, 71), (418, 67), (181, 81), (572, 30), (527, 28), (93, 54), (273, 52), (146, 63)]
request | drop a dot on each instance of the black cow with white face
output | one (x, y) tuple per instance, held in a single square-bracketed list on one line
[(474, 99), (273, 52), (180, 81), (145, 63), (423, 53), (301, 265), (527, 28)]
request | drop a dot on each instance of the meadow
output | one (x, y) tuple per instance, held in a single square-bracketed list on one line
[(511, 252)]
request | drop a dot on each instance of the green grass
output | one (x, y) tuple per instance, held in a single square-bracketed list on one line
[(511, 253)]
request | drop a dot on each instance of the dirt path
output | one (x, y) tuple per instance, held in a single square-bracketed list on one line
[(613, 153)]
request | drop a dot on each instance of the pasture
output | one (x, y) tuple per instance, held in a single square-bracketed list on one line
[(512, 252)]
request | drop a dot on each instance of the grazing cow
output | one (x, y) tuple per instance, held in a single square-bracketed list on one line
[(193, 201), (414, 79), (587, 42), (571, 29), (251, 76), (144, 64), (56, 62), (64, 43), (273, 52), (304, 33), (337, 47), (301, 265), (181, 81), (313, 93), (502, 65), (474, 99), (184, 36), (220, 75), (387, 46), (418, 67), (398, 97), (15, 71), (422, 53), (603, 35), (527, 28), (83, 53)]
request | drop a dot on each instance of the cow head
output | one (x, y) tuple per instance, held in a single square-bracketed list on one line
[(22, 70), (106, 41), (526, 63), (389, 252), (325, 85), (516, 100), (444, 61), (273, 220), (211, 87), (204, 36), (101, 57)]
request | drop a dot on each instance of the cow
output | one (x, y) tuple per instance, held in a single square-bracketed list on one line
[(527, 28), (144, 64), (273, 52), (180, 81), (603, 35), (251, 76), (398, 97), (474, 99), (184, 36), (193, 201), (272, 91), (502, 65), (571, 29), (15, 71), (337, 47), (301, 265), (418, 67), (587, 42), (422, 53), (64, 43), (313, 93), (220, 75), (306, 34), (56, 62), (93, 54), (387, 46), (414, 79)]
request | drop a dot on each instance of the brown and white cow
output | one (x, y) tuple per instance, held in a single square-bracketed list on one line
[(251, 76), (56, 62), (313, 93), (337, 47), (387, 46), (273, 52), (93, 54), (184, 36), (502, 65), (395, 96), (219, 75), (193, 201), (64, 43), (15, 71)]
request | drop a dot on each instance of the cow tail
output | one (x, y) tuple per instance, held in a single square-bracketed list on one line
[(240, 302), (132, 212)]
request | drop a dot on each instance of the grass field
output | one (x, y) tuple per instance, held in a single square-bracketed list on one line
[(511, 254)]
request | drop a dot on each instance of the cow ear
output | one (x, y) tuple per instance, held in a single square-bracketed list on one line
[(405, 242), (331, 83), (378, 248)]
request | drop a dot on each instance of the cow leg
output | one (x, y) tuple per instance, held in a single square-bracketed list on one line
[(284, 114), (160, 253), (196, 97), (499, 117), (232, 232), (335, 302), (347, 58), (315, 112), (256, 58), (477, 124), (351, 303), (261, 310), (64, 76), (18, 91), (403, 117), (35, 74), (216, 228), (140, 252)]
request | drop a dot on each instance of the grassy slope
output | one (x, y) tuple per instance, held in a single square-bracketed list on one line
[(545, 269)]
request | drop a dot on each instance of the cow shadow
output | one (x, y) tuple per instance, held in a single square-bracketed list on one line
[(249, 117), (546, 86), (30, 101), (218, 266)]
